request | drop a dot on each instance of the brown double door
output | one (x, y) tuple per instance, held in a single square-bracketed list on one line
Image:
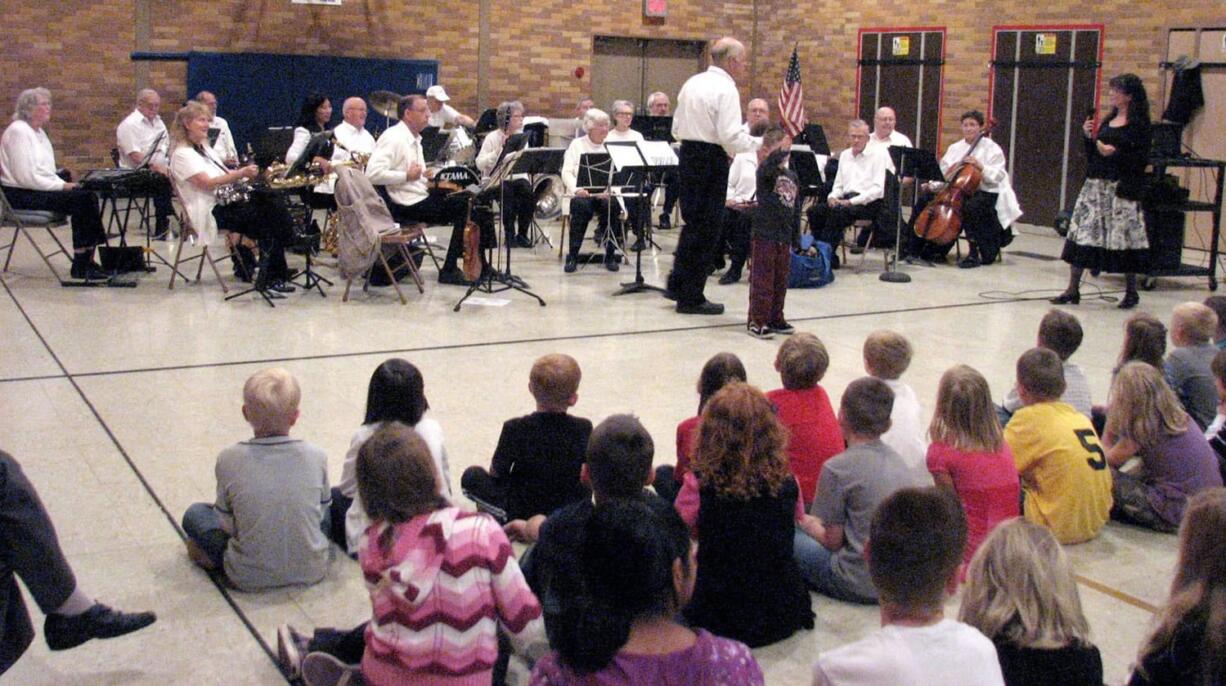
[(1044, 85), (902, 69), (634, 68)]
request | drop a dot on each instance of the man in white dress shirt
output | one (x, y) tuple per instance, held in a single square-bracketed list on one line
[(143, 142), (224, 146), (884, 132), (757, 111), (987, 213), (352, 137), (443, 115), (708, 124), (885, 135), (658, 105), (859, 185), (398, 163)]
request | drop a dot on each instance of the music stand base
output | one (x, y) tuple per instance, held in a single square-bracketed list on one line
[(637, 286), (895, 277)]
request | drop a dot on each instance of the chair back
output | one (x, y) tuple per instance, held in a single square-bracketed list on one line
[(115, 157), (362, 217)]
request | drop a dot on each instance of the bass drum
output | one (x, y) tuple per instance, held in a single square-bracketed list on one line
[(547, 194), (455, 178)]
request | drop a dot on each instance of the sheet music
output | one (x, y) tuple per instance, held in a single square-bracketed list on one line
[(658, 153), (624, 154)]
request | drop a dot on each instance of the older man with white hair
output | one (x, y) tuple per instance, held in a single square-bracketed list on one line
[(757, 111), (224, 144), (658, 105), (859, 185), (708, 124), (143, 142), (884, 133)]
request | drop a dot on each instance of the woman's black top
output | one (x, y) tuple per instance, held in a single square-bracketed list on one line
[(1127, 165)]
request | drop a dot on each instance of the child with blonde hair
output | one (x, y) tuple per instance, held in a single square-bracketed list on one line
[(1188, 646), (269, 525), (969, 455), (1188, 366), (887, 354), (1020, 592), (1147, 422)]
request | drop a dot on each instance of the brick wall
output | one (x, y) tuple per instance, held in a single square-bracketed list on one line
[(1135, 41), (80, 49)]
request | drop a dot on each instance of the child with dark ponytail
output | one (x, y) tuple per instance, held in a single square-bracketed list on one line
[(639, 569)]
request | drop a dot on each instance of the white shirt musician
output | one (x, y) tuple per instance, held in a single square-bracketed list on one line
[(27, 172), (636, 207), (861, 176), (884, 133), (351, 137), (443, 115), (137, 133), (587, 203), (399, 164), (510, 118), (993, 207), (742, 180), (224, 146), (757, 111), (313, 118), (515, 197)]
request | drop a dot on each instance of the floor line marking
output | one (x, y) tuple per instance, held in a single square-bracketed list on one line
[(1116, 593)]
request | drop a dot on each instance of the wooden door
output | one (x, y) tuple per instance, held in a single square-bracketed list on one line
[(1044, 83), (903, 69), (633, 68)]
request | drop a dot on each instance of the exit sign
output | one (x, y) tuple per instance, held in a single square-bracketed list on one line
[(655, 9)]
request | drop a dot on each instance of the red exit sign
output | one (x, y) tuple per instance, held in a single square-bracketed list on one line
[(655, 8)]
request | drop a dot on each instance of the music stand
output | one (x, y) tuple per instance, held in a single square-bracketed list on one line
[(815, 137), (597, 176), (506, 280), (653, 159), (653, 128), (804, 162), (536, 162), (921, 165), (434, 143)]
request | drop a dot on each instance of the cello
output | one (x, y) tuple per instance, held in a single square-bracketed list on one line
[(941, 221)]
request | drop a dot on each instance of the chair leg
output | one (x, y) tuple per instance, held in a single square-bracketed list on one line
[(345, 295), (174, 268), (412, 266), (213, 265), (391, 276), (11, 246), (46, 258), (562, 235)]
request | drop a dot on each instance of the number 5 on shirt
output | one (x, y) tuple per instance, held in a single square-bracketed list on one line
[(1089, 441)]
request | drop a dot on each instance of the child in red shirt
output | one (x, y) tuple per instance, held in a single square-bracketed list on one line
[(805, 410)]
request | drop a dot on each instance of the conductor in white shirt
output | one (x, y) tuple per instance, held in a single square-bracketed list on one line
[(708, 124), (143, 142), (224, 145), (398, 163), (443, 115), (27, 172)]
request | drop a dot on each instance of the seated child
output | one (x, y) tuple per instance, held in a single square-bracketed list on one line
[(638, 568), (969, 455), (1217, 303), (1217, 439), (268, 526), (1063, 469), (396, 393), (887, 354), (431, 568), (744, 503), (805, 410), (1186, 646), (830, 545), (721, 369), (1144, 340), (535, 469), (1060, 332), (1147, 422), (918, 535), (1187, 366), (1020, 592)]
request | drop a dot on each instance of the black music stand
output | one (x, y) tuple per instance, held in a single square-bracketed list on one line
[(804, 162), (653, 128), (646, 167), (597, 176), (434, 143), (537, 162), (918, 164), (492, 280), (814, 136)]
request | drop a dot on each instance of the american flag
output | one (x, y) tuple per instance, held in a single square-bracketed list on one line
[(792, 98)]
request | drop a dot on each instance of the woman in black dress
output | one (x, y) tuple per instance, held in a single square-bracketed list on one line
[(1107, 231)]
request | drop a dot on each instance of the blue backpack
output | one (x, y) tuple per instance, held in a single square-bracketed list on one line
[(811, 271)]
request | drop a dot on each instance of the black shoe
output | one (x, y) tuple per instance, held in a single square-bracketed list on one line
[(1006, 237), (639, 245), (666, 222), (521, 242), (280, 287), (98, 621), (835, 263), (730, 277), (670, 295), (162, 230), (970, 263), (704, 307), (452, 277), (1131, 298), (572, 263), (1067, 298), (612, 263), (782, 328), (856, 249), (89, 271)]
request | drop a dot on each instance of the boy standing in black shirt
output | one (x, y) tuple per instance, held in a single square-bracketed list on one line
[(776, 230)]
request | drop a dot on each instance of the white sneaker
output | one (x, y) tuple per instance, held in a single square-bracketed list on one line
[(291, 646), (762, 332)]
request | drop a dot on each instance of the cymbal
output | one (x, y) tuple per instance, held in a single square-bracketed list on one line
[(384, 102)]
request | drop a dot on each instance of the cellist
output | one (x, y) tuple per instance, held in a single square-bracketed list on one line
[(981, 220)]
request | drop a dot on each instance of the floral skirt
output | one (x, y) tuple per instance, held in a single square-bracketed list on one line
[(1107, 233)]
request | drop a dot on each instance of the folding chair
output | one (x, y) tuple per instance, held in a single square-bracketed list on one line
[(366, 228), (189, 231), (24, 220), (400, 242)]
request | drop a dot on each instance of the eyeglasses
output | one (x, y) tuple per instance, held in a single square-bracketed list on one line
[(623, 114)]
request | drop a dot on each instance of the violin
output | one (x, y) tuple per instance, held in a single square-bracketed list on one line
[(941, 220)]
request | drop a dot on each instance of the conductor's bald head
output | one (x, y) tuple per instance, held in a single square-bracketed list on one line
[(729, 54)]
